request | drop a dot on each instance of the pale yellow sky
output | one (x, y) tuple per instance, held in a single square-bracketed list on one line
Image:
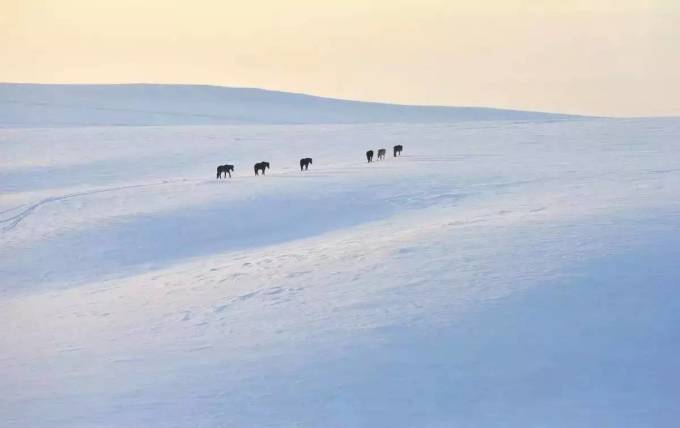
[(609, 57)]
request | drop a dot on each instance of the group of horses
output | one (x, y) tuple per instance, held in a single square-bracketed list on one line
[(225, 170), (396, 151)]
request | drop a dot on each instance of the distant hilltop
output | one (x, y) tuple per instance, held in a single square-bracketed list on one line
[(46, 105)]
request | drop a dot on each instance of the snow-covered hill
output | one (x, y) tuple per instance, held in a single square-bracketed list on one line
[(498, 274), (32, 105)]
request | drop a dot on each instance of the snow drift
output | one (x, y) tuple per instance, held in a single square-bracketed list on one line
[(33, 105)]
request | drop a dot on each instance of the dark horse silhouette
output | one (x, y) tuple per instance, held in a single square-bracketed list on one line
[(224, 170), (381, 153), (397, 150), (261, 166), (369, 155), (304, 163)]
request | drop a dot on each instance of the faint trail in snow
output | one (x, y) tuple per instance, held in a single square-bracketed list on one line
[(12, 209), (13, 221), (268, 295)]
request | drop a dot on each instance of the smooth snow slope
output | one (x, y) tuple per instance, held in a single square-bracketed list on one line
[(499, 274), (35, 105)]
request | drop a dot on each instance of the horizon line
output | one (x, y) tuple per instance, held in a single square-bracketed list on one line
[(353, 100)]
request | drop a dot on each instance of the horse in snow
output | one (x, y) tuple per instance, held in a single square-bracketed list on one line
[(397, 150), (304, 163), (381, 154), (261, 166), (369, 156), (224, 170)]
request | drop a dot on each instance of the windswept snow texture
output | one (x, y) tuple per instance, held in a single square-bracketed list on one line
[(498, 274), (35, 105)]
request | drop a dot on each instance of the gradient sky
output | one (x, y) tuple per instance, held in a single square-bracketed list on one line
[(609, 57)]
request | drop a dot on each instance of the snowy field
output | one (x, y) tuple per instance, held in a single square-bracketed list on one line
[(498, 274)]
